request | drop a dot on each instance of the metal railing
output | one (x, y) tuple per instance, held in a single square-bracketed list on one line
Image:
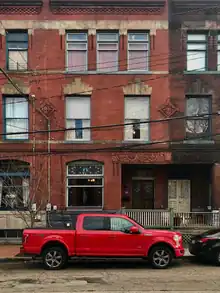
[(169, 219)]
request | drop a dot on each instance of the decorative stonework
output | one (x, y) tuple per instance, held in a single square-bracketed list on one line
[(141, 158), (168, 109), (123, 26), (77, 87), (137, 88), (47, 108), (9, 89)]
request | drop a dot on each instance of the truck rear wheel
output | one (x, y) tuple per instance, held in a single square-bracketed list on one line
[(160, 257), (54, 258)]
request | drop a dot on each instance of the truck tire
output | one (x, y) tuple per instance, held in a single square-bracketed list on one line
[(54, 258), (160, 257)]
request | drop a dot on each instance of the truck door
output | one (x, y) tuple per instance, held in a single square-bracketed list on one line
[(93, 236), (124, 243)]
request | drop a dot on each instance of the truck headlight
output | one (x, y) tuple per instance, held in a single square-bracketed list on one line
[(177, 239)]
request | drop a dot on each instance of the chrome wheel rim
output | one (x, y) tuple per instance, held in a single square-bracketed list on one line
[(161, 258), (53, 259)]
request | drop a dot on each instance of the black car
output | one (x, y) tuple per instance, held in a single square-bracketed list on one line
[(206, 246)]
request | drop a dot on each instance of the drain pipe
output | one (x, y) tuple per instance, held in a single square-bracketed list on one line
[(49, 160)]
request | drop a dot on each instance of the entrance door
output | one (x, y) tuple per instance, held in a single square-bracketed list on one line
[(143, 194), (179, 195)]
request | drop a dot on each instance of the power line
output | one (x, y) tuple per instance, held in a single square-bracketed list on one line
[(150, 121)]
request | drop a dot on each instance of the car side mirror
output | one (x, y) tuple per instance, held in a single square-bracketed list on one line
[(134, 230)]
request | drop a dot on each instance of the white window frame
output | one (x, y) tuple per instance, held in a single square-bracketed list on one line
[(107, 42), (86, 176), (134, 42), (13, 136), (18, 50), (147, 139), (198, 42), (76, 42), (73, 119)]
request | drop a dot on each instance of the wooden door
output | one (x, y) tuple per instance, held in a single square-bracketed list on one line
[(143, 194), (179, 195)]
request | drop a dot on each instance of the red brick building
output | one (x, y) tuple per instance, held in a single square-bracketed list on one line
[(86, 64)]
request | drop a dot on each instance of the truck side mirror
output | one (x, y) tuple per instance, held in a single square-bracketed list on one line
[(134, 230)]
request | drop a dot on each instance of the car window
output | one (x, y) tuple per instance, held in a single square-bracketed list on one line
[(95, 223), (120, 224)]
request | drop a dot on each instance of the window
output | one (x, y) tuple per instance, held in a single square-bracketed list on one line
[(85, 183), (136, 112), (16, 117), (119, 224), (138, 48), (202, 125), (107, 52), (14, 184), (95, 223), (196, 52), (17, 50), (78, 117), (77, 47), (218, 58)]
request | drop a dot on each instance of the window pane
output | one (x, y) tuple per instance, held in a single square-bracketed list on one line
[(85, 169), (137, 60), (107, 61), (17, 125), (77, 46), (138, 37), (77, 60), (77, 108), (83, 134), (17, 60), (196, 37), (17, 45), (119, 224), (85, 181), (137, 108), (77, 37), (138, 47), (197, 106), (85, 196), (197, 126), (218, 64), (16, 107), (95, 223), (107, 47), (109, 37), (196, 62), (196, 47)]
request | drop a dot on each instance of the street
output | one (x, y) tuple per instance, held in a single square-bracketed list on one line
[(183, 276)]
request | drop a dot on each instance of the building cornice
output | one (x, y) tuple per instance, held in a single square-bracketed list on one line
[(20, 6), (107, 7)]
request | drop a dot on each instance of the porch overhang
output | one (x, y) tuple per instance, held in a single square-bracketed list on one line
[(195, 157)]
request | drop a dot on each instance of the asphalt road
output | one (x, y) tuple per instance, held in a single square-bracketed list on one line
[(111, 277)]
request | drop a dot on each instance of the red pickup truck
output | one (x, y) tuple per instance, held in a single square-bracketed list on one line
[(102, 235)]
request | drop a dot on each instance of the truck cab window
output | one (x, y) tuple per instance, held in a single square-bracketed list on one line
[(95, 223), (119, 224)]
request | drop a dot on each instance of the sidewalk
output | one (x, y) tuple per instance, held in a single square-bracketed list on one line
[(10, 252)]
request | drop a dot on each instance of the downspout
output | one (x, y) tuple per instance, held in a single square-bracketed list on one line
[(49, 160)]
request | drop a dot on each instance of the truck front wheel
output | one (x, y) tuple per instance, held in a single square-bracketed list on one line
[(54, 258), (160, 257)]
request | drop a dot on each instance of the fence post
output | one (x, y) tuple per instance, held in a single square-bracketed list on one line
[(123, 210), (171, 218)]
